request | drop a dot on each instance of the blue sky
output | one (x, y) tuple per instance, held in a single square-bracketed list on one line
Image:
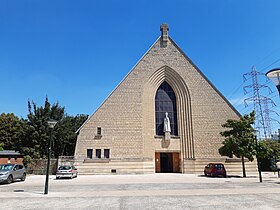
[(76, 52)]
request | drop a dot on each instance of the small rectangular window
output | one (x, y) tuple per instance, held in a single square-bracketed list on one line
[(99, 131), (89, 153), (98, 153), (106, 153)]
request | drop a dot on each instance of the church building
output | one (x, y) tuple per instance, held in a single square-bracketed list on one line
[(164, 116)]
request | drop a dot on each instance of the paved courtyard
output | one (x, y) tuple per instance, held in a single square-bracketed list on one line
[(154, 191)]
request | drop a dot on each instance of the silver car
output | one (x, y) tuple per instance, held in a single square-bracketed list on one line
[(11, 172), (66, 171)]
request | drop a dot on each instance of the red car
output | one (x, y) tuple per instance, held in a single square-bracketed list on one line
[(215, 169)]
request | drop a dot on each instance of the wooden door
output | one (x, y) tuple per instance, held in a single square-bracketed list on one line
[(157, 162), (176, 162)]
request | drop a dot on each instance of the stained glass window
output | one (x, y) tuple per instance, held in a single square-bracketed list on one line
[(165, 101)]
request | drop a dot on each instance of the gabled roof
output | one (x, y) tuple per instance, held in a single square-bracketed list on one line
[(166, 37)]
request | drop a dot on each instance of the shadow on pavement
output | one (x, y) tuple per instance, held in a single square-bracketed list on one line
[(222, 177)]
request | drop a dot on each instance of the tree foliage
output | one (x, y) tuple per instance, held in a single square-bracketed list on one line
[(38, 133), (239, 139), (31, 136), (268, 161), (65, 136), (11, 131)]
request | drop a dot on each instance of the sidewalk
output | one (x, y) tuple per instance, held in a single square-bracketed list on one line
[(149, 191)]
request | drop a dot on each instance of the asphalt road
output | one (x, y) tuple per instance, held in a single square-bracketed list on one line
[(155, 191)]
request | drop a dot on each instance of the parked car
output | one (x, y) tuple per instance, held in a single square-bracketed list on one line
[(66, 171), (11, 172), (215, 169)]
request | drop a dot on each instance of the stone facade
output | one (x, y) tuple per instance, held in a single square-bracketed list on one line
[(124, 124)]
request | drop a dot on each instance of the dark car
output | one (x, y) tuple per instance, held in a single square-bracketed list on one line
[(67, 171), (215, 169), (11, 172)]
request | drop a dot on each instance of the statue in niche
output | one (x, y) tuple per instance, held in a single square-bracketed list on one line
[(166, 127)]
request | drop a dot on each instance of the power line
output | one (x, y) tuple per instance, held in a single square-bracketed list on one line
[(236, 90), (262, 70), (268, 55), (270, 65)]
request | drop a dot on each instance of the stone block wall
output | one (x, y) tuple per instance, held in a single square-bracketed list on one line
[(127, 116)]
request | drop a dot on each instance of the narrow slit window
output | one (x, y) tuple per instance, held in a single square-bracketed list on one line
[(106, 153), (99, 131), (98, 153), (89, 153)]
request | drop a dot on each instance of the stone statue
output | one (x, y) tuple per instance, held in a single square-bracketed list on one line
[(166, 127)]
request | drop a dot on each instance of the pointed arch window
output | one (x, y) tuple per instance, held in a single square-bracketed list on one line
[(165, 101)]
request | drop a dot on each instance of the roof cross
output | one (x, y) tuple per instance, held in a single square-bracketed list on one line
[(164, 32)]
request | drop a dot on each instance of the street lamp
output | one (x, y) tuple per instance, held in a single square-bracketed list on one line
[(51, 124), (274, 75), (257, 154)]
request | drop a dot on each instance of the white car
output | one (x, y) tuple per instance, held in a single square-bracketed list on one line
[(66, 171)]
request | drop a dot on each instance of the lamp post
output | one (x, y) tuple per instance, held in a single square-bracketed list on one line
[(257, 154), (274, 75), (51, 124)]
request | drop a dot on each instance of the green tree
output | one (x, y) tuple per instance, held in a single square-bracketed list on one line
[(38, 133), (239, 139), (263, 150), (31, 136), (11, 131), (269, 161), (65, 136)]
